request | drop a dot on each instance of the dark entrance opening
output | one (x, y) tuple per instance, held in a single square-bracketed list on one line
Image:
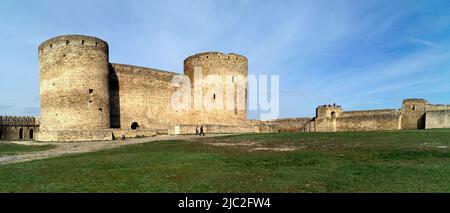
[(134, 125), (1, 134), (20, 134), (421, 122), (333, 115), (31, 134)]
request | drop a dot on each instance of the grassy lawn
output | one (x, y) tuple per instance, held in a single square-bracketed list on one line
[(14, 149), (405, 161)]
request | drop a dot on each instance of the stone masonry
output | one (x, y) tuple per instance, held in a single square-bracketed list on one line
[(85, 97)]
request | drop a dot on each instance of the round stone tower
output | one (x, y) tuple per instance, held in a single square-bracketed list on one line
[(213, 105), (73, 74)]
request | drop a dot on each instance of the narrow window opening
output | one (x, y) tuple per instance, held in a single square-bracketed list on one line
[(90, 101), (235, 111), (413, 107), (51, 45), (67, 42), (96, 43), (64, 55), (91, 91), (100, 109), (82, 42), (214, 96)]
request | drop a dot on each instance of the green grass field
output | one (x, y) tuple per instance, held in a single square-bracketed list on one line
[(404, 161), (14, 149)]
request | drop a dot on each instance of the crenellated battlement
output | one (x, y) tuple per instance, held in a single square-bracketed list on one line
[(18, 121), (216, 63), (415, 100), (144, 71), (73, 41), (328, 111), (216, 56)]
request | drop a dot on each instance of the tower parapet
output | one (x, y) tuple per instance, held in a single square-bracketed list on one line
[(331, 111)]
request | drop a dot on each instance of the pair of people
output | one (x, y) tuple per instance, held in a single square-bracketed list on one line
[(199, 132)]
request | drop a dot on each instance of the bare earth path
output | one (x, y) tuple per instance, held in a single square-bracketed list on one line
[(83, 147)]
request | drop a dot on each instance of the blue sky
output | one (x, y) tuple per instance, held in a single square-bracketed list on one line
[(360, 54)]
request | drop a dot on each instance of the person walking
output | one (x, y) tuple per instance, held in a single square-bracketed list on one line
[(196, 131), (201, 131)]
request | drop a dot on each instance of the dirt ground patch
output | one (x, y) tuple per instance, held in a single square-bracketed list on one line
[(256, 146), (67, 148), (234, 144), (277, 149)]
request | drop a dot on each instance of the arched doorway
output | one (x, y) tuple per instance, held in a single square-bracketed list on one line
[(333, 115), (20, 134), (134, 125), (333, 122), (31, 134)]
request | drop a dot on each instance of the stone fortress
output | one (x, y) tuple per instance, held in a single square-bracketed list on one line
[(84, 97), (414, 114)]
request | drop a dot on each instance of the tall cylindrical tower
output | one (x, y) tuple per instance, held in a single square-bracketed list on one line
[(228, 70), (73, 74)]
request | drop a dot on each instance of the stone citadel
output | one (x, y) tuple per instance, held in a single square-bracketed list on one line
[(85, 97)]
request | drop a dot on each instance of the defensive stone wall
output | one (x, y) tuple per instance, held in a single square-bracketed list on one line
[(142, 96), (437, 107), (74, 135), (94, 135), (283, 125), (362, 113), (211, 129), (368, 120), (14, 128), (437, 119)]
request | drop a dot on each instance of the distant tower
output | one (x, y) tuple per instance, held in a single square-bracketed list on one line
[(73, 73), (326, 116), (413, 114), (231, 70)]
